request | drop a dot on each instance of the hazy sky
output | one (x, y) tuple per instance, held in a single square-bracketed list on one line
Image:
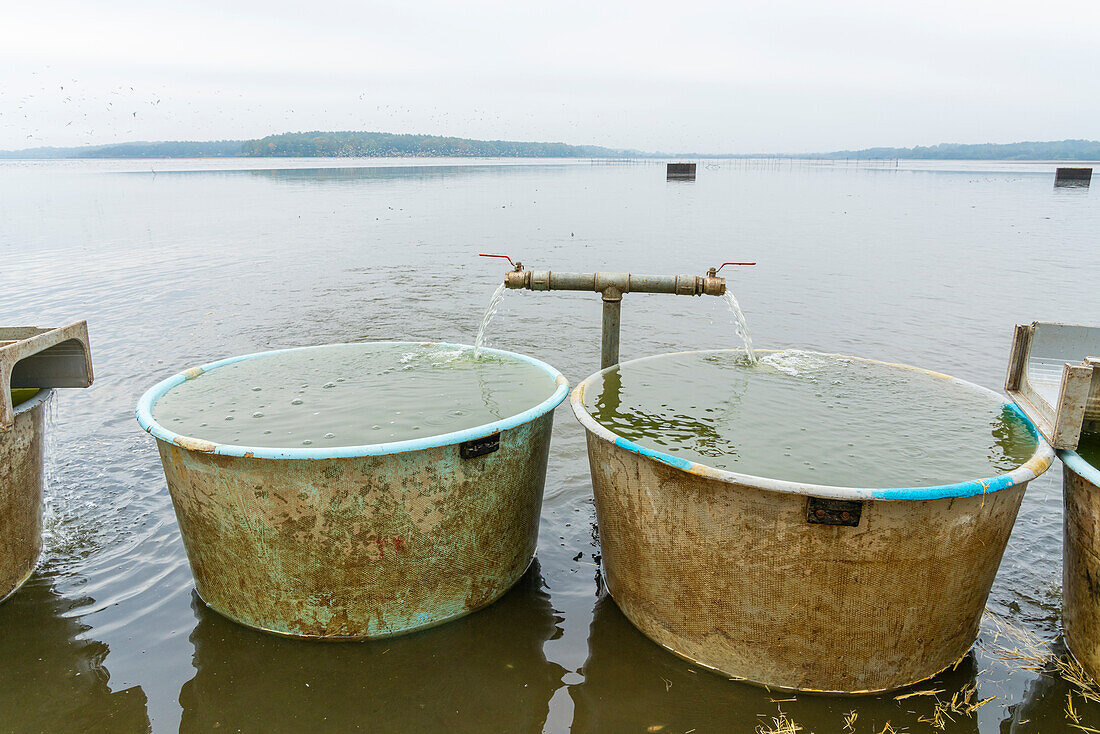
[(683, 76)]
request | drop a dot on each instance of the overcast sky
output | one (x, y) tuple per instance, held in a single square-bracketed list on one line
[(684, 76)]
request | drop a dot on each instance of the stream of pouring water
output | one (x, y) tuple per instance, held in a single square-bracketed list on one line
[(494, 304), (741, 324)]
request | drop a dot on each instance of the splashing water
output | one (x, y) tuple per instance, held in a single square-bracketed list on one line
[(741, 324), (494, 304)]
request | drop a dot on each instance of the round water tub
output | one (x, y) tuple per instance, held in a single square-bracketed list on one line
[(358, 542), (1081, 560), (793, 585), (21, 483)]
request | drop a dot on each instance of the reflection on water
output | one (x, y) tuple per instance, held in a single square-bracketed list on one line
[(670, 426), (383, 173), (53, 677), (483, 673), (1045, 705), (631, 684)]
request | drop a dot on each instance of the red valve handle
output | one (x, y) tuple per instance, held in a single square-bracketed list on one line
[(485, 254), (725, 264)]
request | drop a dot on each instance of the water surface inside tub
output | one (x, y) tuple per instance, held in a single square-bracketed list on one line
[(810, 417), (1089, 447), (352, 395)]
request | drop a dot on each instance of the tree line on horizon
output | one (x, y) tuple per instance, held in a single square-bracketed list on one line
[(350, 144), (380, 145), (1055, 150), (346, 144)]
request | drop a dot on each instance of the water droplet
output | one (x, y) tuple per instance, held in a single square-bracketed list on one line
[(327, 385), (266, 432), (307, 442), (296, 401), (229, 417), (257, 414), (330, 435), (256, 388), (376, 428)]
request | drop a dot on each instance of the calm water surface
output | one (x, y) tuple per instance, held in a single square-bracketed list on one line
[(930, 265), (352, 395), (808, 417)]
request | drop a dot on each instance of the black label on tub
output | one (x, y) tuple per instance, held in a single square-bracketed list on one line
[(479, 446), (833, 512)]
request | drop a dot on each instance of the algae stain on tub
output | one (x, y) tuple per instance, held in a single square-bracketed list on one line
[(350, 534)]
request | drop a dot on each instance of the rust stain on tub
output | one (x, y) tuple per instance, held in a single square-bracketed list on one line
[(1038, 464), (195, 444)]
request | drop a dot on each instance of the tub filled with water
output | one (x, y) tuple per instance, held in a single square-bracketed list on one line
[(357, 490), (1081, 549), (22, 481), (806, 521)]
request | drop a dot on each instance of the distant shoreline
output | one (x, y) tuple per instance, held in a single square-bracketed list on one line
[(654, 159), (352, 144)]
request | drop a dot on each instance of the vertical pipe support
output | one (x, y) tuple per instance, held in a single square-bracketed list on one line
[(609, 342), (611, 287)]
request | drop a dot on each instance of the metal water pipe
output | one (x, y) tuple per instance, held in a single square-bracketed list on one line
[(612, 287)]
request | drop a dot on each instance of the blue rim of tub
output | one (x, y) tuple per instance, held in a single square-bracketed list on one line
[(1039, 462), (1080, 467), (148, 400)]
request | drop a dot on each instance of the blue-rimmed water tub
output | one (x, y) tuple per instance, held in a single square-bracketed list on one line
[(364, 541), (799, 586)]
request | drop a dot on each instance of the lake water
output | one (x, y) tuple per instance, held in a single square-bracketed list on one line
[(927, 264), (808, 417)]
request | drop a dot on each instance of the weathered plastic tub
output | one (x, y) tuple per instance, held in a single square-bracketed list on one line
[(22, 449), (725, 569), (358, 542), (1081, 560)]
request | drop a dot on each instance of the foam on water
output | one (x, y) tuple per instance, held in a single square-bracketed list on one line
[(810, 417), (352, 395)]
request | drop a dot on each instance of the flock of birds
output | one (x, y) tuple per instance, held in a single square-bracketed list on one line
[(70, 112)]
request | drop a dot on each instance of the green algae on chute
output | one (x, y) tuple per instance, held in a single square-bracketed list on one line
[(22, 395), (814, 418), (352, 395)]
